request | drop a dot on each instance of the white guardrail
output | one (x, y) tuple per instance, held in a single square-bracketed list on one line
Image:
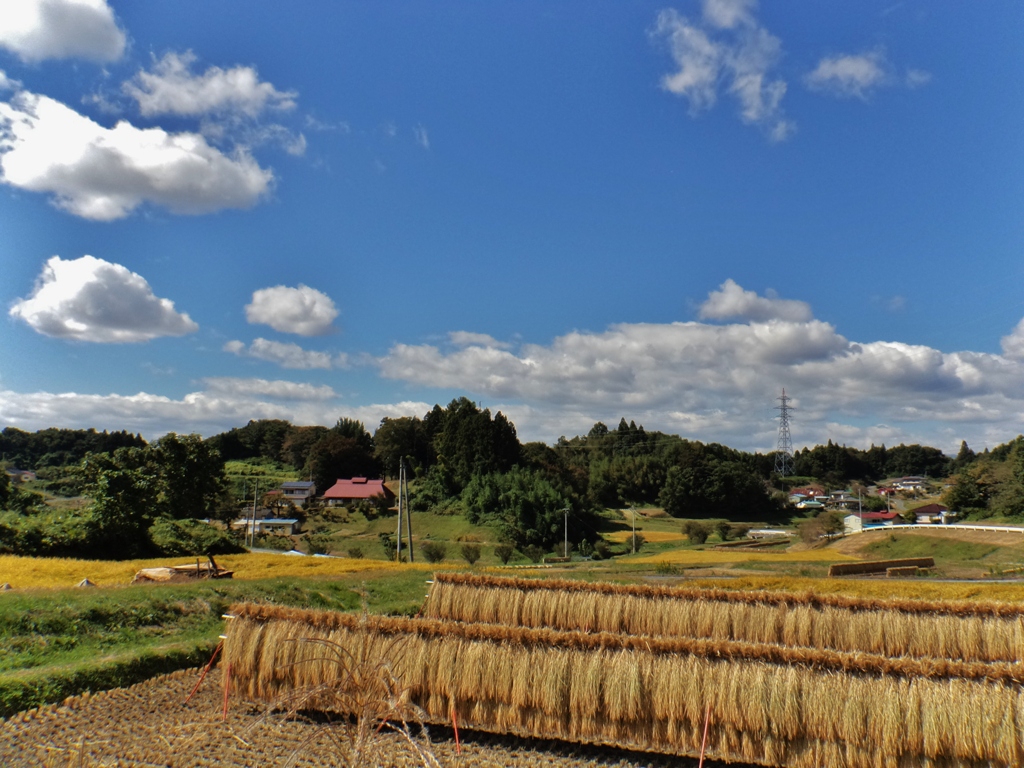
[(948, 526)]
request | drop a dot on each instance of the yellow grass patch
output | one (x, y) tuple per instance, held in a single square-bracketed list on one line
[(652, 536), (707, 557), (21, 572)]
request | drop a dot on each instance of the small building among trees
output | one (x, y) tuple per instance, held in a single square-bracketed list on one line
[(859, 521)]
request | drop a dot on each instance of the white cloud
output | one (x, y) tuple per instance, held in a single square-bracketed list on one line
[(89, 299), (206, 412), (731, 50), (279, 390), (467, 339), (732, 301), (728, 14), (59, 29), (171, 88), (916, 78), (719, 382), (8, 84), (420, 134), (105, 173), (1013, 343), (304, 311), (287, 355), (850, 75)]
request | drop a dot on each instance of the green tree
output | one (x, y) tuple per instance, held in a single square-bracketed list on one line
[(191, 476), (965, 494), (337, 456), (405, 437), (527, 507), (125, 502)]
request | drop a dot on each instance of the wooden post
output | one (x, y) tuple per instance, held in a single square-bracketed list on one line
[(404, 486), (398, 549)]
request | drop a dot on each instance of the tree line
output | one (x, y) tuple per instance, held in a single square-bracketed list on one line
[(463, 460)]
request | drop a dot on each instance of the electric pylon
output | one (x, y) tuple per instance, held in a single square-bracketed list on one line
[(784, 450)]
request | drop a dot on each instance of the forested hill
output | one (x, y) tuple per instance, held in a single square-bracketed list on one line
[(60, 447)]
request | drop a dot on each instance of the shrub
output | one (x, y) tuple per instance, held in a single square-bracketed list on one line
[(470, 553), (586, 548), (318, 543), (601, 550), (696, 531), (388, 544), (190, 537), (504, 552), (739, 531), (534, 553), (434, 551), (723, 528), (356, 553), (635, 542)]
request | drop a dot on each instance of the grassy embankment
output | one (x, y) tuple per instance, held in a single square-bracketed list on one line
[(56, 643)]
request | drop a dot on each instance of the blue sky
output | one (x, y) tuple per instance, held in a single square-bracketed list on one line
[(570, 212)]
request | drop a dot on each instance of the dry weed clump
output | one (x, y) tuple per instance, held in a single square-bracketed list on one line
[(769, 704), (963, 630)]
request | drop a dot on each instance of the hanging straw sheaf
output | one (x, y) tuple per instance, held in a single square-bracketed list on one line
[(988, 632), (652, 693)]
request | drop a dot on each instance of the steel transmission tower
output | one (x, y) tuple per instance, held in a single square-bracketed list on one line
[(784, 450)]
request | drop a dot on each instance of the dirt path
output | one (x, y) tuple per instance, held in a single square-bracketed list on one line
[(148, 725)]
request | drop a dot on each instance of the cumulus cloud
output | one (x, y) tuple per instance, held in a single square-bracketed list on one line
[(1013, 343), (859, 75), (719, 382), (207, 411), (732, 301), (304, 311), (727, 49), (279, 390), (849, 75), (105, 173), (285, 354), (171, 88), (89, 299), (60, 29), (467, 339)]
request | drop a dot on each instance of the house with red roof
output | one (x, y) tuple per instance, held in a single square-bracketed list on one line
[(345, 492)]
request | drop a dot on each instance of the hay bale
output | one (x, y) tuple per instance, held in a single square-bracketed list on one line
[(770, 704), (970, 631)]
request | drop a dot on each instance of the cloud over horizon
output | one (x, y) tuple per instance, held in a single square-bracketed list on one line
[(89, 299)]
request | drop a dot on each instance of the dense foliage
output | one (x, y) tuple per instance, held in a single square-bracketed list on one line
[(60, 447), (177, 477), (989, 484)]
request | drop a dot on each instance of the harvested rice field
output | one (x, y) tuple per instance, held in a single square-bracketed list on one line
[(149, 725)]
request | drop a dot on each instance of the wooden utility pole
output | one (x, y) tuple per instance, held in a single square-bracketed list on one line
[(401, 478), (404, 486), (252, 533)]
